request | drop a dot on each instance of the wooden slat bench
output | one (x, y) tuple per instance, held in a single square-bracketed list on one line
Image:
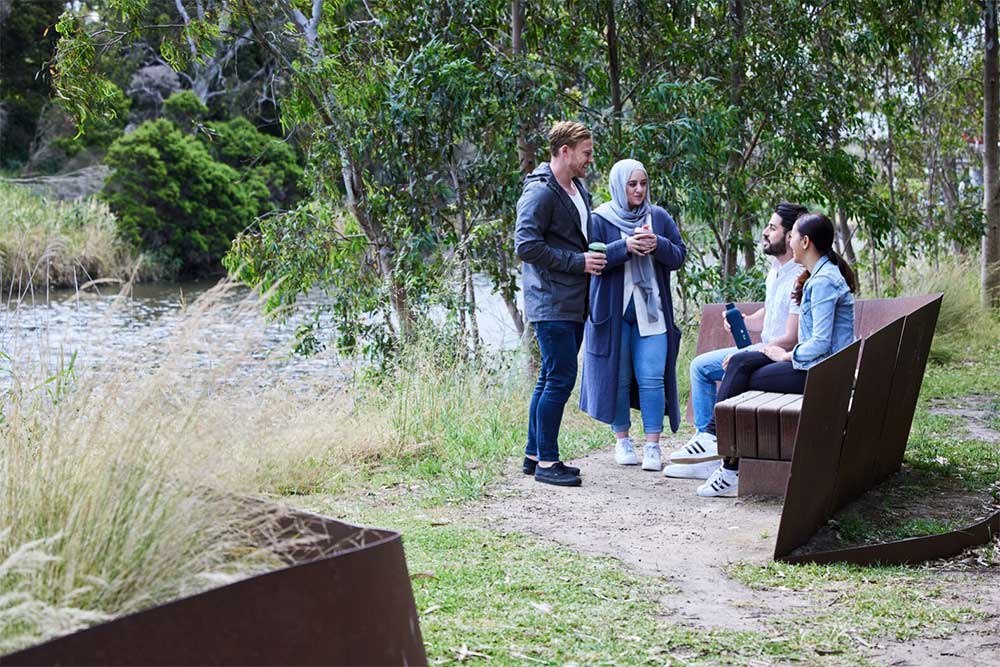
[(762, 428)]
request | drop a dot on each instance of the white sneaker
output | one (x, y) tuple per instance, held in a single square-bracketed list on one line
[(690, 470), (700, 448), (722, 483), (625, 453), (651, 457)]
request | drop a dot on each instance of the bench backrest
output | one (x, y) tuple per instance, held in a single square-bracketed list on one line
[(840, 452)]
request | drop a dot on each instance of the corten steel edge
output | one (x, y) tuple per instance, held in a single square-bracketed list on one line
[(345, 599), (867, 415), (911, 551), (817, 449), (914, 348)]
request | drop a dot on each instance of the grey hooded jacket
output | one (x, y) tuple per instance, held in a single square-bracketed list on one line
[(549, 241)]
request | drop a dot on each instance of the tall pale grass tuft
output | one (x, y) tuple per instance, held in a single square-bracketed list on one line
[(116, 484), (963, 326), (59, 244)]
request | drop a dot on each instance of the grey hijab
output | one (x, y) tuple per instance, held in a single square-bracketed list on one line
[(618, 213)]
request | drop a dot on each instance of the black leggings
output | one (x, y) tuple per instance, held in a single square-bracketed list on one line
[(755, 370)]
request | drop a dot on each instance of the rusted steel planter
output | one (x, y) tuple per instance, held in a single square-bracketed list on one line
[(344, 599), (909, 551)]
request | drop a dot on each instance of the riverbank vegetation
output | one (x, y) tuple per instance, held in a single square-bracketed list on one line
[(103, 479), (47, 244), (392, 155)]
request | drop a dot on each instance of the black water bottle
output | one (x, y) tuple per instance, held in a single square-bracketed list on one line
[(737, 326)]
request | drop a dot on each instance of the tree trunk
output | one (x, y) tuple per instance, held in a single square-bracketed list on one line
[(890, 158), (846, 236), (614, 75), (990, 270), (526, 149), (731, 226)]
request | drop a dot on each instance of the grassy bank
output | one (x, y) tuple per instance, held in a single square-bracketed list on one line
[(102, 509), (47, 244)]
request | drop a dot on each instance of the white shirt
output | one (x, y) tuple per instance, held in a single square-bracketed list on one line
[(778, 299), (646, 328), (582, 208)]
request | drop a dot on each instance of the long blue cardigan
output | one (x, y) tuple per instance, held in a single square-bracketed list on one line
[(602, 337)]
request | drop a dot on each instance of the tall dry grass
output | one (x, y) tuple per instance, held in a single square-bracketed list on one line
[(963, 326), (116, 482), (116, 486), (51, 244)]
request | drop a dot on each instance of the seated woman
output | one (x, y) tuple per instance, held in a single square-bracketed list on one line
[(826, 325), (630, 338)]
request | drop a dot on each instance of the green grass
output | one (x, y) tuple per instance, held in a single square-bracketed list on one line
[(509, 599), (867, 602)]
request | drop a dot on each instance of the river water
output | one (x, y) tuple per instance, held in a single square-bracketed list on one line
[(153, 323)]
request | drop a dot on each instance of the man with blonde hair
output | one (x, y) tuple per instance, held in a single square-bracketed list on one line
[(553, 218)]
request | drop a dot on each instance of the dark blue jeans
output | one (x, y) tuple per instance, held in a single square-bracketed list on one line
[(559, 343)]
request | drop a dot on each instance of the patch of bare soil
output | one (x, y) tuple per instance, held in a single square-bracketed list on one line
[(971, 645), (976, 411), (659, 527)]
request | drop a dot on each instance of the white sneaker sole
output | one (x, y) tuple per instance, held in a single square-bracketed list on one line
[(654, 466), (627, 462), (690, 470), (685, 458)]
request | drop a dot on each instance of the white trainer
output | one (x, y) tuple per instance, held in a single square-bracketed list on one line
[(651, 457), (625, 453), (700, 448), (722, 483), (690, 470)]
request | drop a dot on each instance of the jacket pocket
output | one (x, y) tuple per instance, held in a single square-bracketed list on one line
[(597, 337)]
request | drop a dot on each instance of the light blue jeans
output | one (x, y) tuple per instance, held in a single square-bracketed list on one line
[(706, 370), (646, 356)]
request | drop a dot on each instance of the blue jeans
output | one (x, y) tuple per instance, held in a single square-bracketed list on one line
[(646, 356), (706, 370), (559, 343)]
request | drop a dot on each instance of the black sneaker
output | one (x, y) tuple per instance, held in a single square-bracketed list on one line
[(557, 474), (529, 465)]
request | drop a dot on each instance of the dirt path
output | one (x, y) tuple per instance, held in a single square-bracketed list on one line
[(659, 527)]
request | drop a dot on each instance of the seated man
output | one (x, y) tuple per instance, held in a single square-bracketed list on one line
[(778, 323)]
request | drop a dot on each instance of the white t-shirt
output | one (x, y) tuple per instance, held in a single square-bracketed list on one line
[(584, 213), (778, 301)]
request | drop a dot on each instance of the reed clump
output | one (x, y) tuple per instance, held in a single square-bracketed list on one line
[(48, 243)]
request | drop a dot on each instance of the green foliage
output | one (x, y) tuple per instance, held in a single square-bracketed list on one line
[(184, 110), (173, 199), (268, 166), (27, 42), (99, 131)]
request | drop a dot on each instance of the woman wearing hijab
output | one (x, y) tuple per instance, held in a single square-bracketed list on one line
[(630, 339), (825, 295)]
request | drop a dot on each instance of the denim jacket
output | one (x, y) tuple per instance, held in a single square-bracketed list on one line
[(826, 316)]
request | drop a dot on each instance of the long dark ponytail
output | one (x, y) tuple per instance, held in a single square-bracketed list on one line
[(819, 229)]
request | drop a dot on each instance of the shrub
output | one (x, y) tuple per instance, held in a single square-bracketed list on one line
[(268, 164), (184, 110), (173, 199)]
